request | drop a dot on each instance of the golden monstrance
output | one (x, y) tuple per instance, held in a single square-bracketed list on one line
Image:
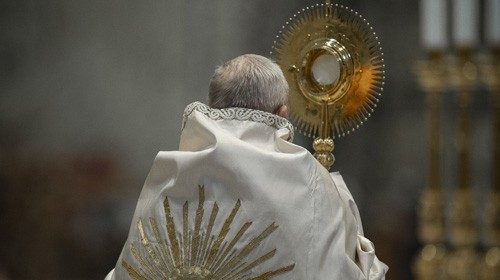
[(333, 62)]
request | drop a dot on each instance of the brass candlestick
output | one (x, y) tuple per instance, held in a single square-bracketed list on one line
[(463, 261), (491, 260), (430, 261)]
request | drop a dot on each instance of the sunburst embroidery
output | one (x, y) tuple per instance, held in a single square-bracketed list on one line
[(198, 254)]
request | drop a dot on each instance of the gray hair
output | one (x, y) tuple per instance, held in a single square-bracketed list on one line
[(248, 81)]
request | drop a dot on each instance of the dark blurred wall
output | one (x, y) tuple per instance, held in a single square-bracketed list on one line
[(94, 89)]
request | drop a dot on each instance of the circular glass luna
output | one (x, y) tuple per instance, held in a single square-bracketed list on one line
[(326, 70)]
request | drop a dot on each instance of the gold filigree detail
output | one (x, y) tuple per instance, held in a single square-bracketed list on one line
[(198, 254), (338, 108), (239, 114)]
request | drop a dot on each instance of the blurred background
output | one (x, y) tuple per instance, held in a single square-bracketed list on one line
[(91, 90)]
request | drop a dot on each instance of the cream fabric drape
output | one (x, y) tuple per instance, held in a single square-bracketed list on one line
[(239, 201)]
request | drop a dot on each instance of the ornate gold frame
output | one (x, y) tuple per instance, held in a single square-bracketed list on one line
[(328, 111)]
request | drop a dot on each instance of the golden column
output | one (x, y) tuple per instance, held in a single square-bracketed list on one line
[(463, 261), (430, 261), (491, 261)]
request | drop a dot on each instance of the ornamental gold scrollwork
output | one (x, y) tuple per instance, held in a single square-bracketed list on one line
[(333, 62)]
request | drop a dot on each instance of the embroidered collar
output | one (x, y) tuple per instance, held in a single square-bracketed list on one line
[(240, 114)]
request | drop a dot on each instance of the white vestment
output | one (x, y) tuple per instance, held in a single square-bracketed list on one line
[(239, 201)]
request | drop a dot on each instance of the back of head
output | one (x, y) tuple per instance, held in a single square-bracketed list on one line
[(248, 81)]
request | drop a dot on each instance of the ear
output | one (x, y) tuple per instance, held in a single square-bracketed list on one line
[(282, 111)]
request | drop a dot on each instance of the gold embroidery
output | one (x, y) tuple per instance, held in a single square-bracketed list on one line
[(171, 233), (185, 233), (198, 254), (131, 271), (197, 225)]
